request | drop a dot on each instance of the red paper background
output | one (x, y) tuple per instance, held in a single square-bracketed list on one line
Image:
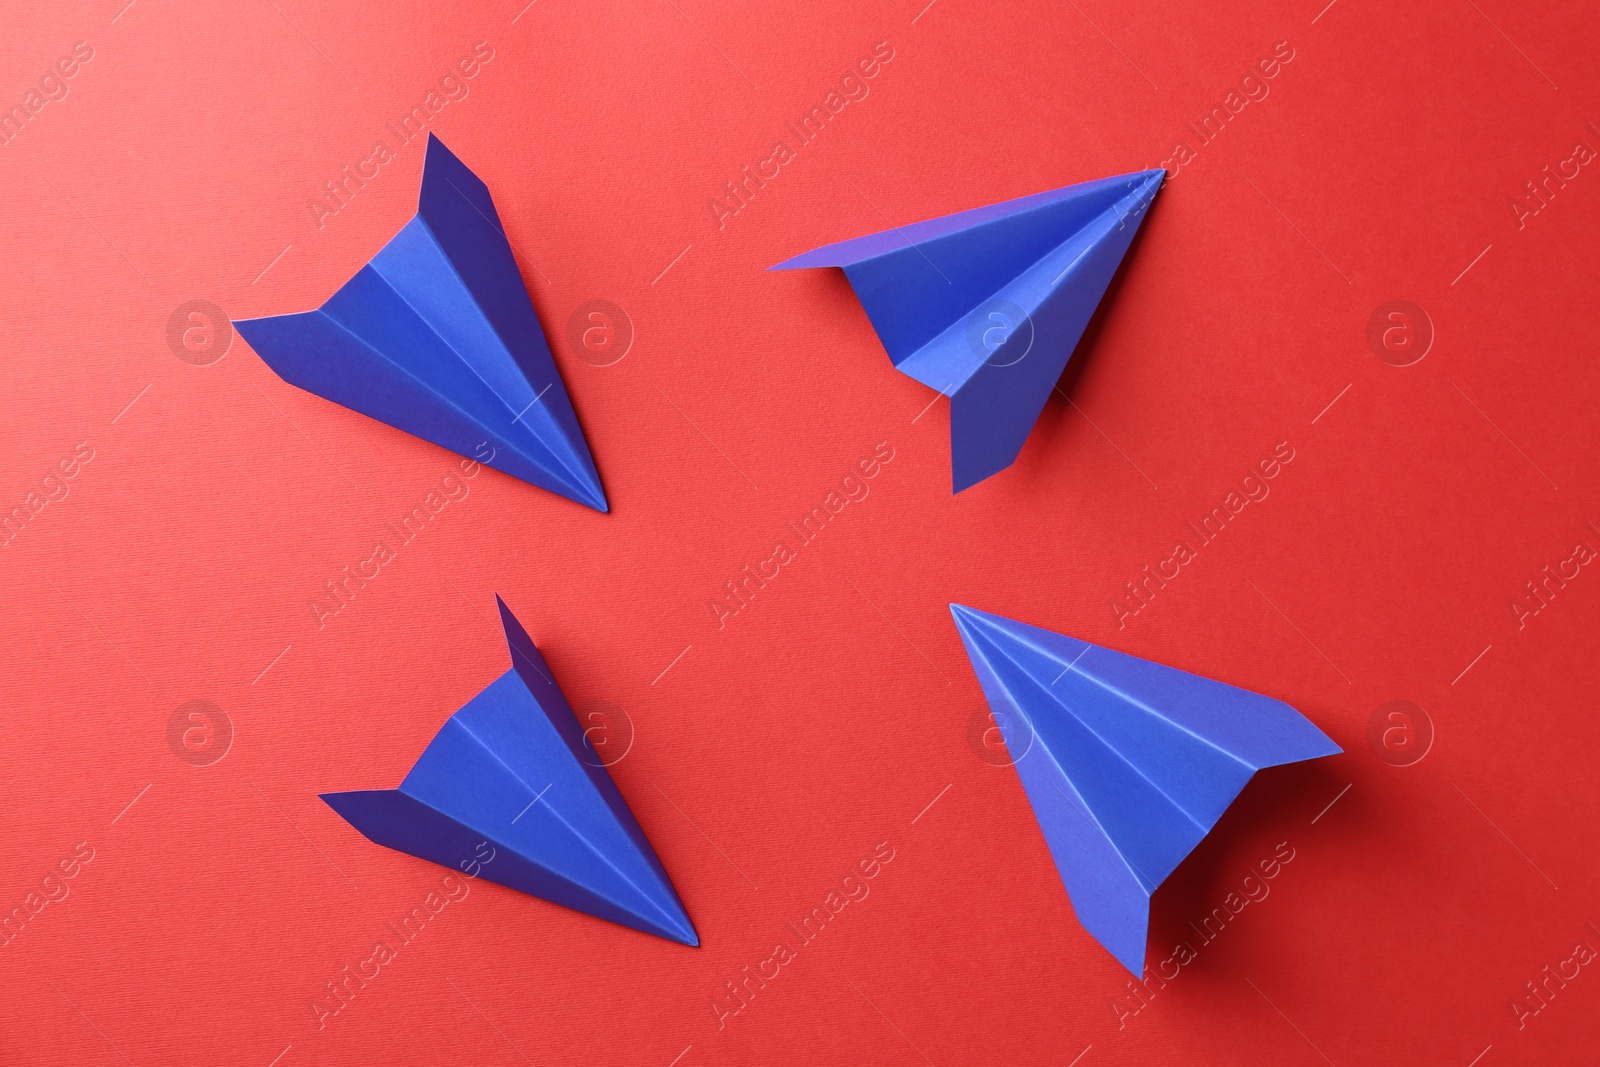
[(772, 754)]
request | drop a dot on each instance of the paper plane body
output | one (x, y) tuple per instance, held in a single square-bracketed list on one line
[(509, 776), (437, 336), (1127, 764), (987, 305)]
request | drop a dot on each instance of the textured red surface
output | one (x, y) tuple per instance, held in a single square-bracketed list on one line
[(836, 711)]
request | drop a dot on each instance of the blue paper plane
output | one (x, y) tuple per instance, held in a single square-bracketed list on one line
[(987, 305), (509, 770), (1127, 764), (437, 336)]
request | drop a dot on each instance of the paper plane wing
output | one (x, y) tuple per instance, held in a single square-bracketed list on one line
[(509, 770), (1130, 763), (987, 305), (437, 336)]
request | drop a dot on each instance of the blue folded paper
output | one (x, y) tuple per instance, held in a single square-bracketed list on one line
[(510, 769), (987, 305), (1127, 764), (437, 336)]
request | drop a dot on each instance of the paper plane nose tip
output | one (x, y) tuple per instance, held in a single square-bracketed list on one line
[(686, 935), (1153, 180), (663, 916), (580, 483), (590, 497), (966, 616), (974, 626), (595, 497)]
